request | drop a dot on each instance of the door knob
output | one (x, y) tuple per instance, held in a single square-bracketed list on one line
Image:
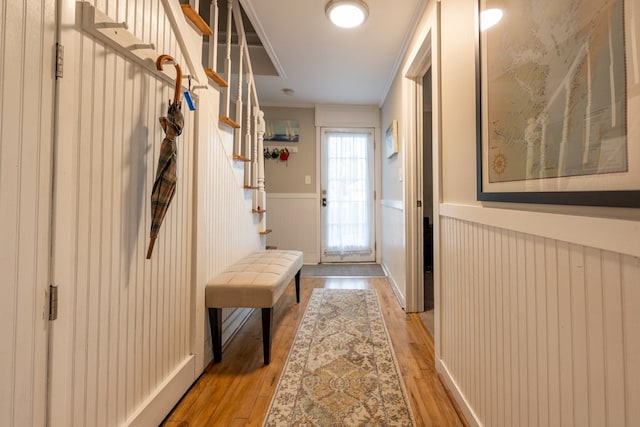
[(324, 201)]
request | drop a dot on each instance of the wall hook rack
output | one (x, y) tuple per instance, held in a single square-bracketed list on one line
[(116, 35), (103, 25)]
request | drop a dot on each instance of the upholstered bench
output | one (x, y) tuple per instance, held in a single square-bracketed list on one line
[(256, 281)]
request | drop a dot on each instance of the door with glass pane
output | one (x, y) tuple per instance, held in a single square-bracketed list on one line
[(347, 189)]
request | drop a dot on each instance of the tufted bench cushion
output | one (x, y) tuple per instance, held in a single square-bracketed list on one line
[(256, 281)]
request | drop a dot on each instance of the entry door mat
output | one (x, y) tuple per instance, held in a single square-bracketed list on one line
[(341, 370), (343, 270)]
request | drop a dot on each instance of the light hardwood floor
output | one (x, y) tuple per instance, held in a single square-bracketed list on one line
[(237, 391)]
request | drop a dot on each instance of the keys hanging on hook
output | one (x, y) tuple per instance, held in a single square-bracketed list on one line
[(188, 98)]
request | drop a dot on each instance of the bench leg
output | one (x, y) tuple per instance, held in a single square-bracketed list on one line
[(298, 285), (215, 321), (267, 321)]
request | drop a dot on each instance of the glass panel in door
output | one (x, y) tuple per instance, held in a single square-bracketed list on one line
[(347, 213)]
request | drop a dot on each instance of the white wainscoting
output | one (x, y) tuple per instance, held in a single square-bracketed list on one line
[(294, 219), (226, 228), (394, 247), (538, 331)]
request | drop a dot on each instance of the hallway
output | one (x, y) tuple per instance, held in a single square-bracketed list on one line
[(237, 391)]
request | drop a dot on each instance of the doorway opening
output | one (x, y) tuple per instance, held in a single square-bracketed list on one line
[(347, 196), (427, 199)]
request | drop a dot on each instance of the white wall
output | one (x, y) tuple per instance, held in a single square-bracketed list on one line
[(392, 206), (289, 176), (292, 204), (537, 304), (294, 219), (399, 208)]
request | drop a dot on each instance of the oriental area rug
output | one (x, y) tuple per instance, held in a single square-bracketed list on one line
[(341, 370)]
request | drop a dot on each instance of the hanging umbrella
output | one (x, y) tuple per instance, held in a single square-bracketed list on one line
[(164, 186)]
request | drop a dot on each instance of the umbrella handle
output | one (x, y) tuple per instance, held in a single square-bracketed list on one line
[(159, 63)]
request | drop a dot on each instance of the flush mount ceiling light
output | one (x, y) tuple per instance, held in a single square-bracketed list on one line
[(489, 18), (347, 13)]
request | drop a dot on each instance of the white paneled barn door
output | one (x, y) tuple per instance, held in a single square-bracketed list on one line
[(27, 40), (121, 347)]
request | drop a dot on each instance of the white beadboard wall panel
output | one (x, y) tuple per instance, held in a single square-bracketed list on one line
[(630, 278), (393, 246), (227, 229), (27, 39), (124, 332), (294, 219), (537, 331)]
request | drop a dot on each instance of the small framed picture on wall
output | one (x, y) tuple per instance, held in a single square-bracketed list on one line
[(391, 139)]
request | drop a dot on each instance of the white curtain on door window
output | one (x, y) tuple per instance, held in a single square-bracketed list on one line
[(348, 193)]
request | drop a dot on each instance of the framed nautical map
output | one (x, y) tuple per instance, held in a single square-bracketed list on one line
[(559, 102)]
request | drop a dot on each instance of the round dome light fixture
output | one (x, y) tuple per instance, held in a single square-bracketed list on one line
[(489, 18), (347, 13)]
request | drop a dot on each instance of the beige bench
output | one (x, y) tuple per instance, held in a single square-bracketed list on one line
[(257, 281)]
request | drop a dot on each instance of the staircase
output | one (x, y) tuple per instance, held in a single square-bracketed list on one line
[(248, 133)]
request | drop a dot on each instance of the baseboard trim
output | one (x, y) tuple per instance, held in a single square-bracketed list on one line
[(394, 287), (156, 407), (233, 323), (455, 393)]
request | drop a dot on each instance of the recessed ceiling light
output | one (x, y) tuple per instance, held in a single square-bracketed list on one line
[(489, 18), (347, 13), (288, 91)]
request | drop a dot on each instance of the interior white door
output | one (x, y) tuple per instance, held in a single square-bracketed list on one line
[(347, 196), (27, 81), (121, 348)]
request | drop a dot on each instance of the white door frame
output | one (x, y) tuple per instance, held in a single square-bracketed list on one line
[(425, 56), (349, 116)]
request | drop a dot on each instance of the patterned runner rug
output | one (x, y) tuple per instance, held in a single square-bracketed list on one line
[(341, 370)]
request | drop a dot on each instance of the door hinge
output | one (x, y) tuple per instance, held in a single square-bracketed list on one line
[(59, 60), (374, 195), (53, 302), (419, 203)]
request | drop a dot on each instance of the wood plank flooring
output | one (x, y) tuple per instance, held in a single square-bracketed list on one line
[(238, 391)]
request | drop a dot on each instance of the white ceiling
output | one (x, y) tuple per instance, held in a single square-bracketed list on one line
[(325, 64)]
